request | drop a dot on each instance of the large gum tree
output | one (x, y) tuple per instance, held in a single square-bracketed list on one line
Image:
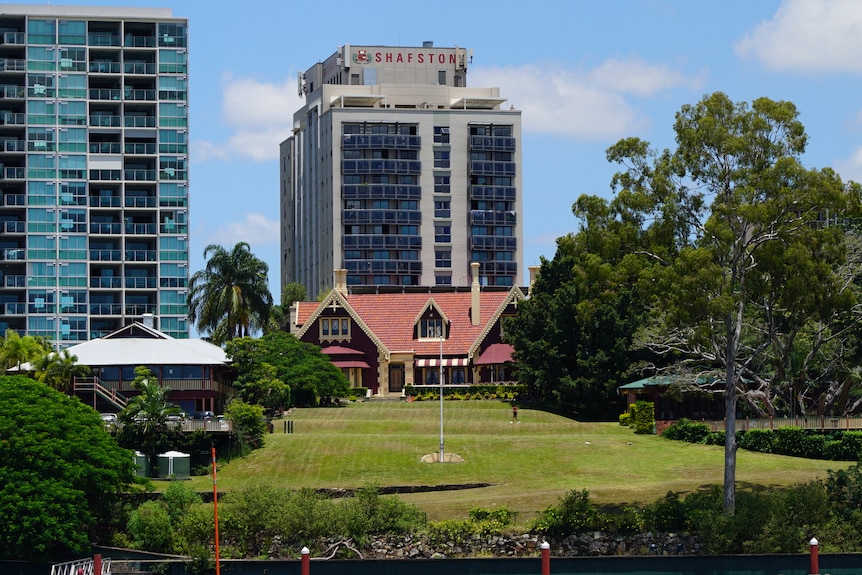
[(749, 221)]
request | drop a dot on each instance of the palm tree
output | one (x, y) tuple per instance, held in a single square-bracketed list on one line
[(230, 297), (58, 370), (149, 410), (16, 349)]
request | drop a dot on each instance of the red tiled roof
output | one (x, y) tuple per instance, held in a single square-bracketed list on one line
[(391, 318)]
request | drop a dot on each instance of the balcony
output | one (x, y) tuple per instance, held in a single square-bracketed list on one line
[(14, 199), (140, 255), (105, 175), (106, 309), (381, 167), (381, 191), (140, 149), (140, 202), (13, 65), (139, 121), (138, 95), (12, 254), (381, 217), (13, 281), (18, 38), (480, 168), (14, 227), (137, 309), (492, 217), (104, 201), (105, 94), (104, 121), (105, 67), (492, 143), (14, 174), (139, 41), (105, 228), (139, 68), (381, 242), (13, 146), (140, 175), (14, 308), (506, 193), (380, 142), (110, 282), (12, 91), (493, 243), (103, 39), (106, 255), (383, 266), (141, 229), (106, 148), (12, 119), (140, 282)]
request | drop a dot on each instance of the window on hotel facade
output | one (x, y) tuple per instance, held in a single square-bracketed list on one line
[(442, 209), (443, 258), (441, 135), (445, 280), (443, 234), (441, 184), (441, 158), (334, 328)]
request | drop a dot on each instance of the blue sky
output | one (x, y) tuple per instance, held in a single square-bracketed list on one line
[(584, 74)]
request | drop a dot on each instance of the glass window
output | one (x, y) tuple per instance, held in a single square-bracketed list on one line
[(41, 194), (172, 88), (41, 32), (41, 59), (431, 327), (72, 32), (442, 233), (173, 195), (41, 166), (443, 258), (40, 85), (172, 168), (172, 35), (73, 167), (73, 140), (442, 209), (441, 135), (441, 158), (41, 112), (172, 62), (443, 280), (441, 184), (73, 60), (173, 115), (72, 86), (72, 114)]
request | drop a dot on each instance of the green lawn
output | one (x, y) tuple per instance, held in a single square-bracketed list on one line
[(529, 464)]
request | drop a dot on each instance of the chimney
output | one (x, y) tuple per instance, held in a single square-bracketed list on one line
[(534, 273), (341, 281), (148, 320), (475, 292)]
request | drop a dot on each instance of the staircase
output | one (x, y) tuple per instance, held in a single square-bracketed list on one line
[(95, 385), (82, 567)]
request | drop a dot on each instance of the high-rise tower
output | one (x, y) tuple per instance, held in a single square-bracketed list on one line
[(399, 173), (94, 178)]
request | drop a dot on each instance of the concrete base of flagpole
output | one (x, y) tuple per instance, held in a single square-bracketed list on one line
[(447, 458)]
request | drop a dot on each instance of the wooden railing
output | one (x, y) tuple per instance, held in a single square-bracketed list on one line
[(816, 422), (95, 385)]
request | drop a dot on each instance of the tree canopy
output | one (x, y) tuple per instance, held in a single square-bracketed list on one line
[(60, 472), (277, 370), (725, 257), (230, 297)]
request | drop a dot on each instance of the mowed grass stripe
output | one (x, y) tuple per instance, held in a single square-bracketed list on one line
[(528, 465)]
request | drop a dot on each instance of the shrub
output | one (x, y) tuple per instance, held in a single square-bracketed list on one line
[(715, 438), (369, 513), (625, 419), (574, 514), (666, 514), (150, 527), (761, 440), (643, 416), (790, 441), (847, 448), (685, 430)]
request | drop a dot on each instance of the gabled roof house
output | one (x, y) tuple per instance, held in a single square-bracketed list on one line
[(385, 341), (196, 371)]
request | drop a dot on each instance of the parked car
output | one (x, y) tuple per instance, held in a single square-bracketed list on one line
[(204, 415), (222, 421), (110, 419)]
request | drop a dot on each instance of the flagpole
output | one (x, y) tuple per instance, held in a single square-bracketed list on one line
[(215, 513)]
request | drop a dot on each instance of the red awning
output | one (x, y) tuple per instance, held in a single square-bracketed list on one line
[(496, 353), (350, 363), (338, 350), (447, 362)]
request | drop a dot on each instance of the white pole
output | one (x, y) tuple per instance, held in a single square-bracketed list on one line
[(440, 375)]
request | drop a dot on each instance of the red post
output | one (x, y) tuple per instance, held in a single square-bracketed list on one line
[(305, 561), (97, 564), (215, 513), (815, 569), (546, 558)]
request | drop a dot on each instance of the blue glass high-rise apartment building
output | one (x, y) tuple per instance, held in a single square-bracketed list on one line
[(400, 174), (93, 170)]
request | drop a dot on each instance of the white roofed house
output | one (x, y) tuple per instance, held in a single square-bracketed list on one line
[(197, 372)]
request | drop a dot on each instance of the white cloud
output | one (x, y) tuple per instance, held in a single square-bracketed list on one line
[(259, 116), (808, 36), (850, 168), (256, 229), (588, 104)]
